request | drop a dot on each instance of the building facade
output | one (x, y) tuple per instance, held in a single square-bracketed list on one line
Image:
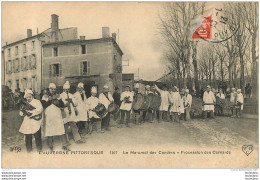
[(94, 62), (22, 63), (56, 55)]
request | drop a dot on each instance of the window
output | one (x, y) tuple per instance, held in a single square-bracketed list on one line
[(9, 68), (34, 83), (55, 51), (9, 52), (17, 84), (33, 44), (25, 83), (24, 64), (24, 48), (84, 68), (55, 70), (83, 49), (32, 61), (16, 50), (16, 65)]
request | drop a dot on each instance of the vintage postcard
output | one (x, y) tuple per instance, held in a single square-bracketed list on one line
[(130, 84)]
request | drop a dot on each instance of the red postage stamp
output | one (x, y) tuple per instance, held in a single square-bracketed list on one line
[(204, 31)]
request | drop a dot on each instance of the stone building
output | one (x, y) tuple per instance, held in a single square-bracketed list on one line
[(22, 59), (94, 62), (56, 55)]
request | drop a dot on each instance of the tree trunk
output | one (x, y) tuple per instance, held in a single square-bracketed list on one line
[(195, 64), (235, 76), (214, 76), (242, 74), (254, 72), (230, 76), (222, 71)]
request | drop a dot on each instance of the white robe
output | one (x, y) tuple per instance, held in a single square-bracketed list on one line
[(69, 117), (53, 120), (92, 102), (208, 97), (82, 106), (233, 98), (104, 100), (164, 99), (182, 104), (240, 98), (126, 106), (175, 100), (188, 100), (31, 126)]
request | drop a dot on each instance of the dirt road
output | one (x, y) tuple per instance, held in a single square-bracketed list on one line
[(221, 131)]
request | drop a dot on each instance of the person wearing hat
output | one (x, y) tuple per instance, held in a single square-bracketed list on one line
[(187, 104), (233, 100), (148, 113), (208, 103), (82, 118), (164, 107), (31, 126), (175, 103), (239, 103), (95, 121), (71, 112), (126, 105), (106, 98), (53, 124)]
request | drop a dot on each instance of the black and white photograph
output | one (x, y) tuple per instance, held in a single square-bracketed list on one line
[(130, 84)]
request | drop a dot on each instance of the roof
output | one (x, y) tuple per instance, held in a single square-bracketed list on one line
[(22, 40), (78, 41), (32, 37)]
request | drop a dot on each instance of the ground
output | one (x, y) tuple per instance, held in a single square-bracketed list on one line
[(221, 131)]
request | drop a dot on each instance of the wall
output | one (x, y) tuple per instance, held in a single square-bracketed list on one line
[(63, 35), (100, 55), (24, 74)]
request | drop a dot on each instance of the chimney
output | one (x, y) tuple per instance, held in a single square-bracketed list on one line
[(29, 33), (114, 36), (105, 32), (55, 22), (82, 37)]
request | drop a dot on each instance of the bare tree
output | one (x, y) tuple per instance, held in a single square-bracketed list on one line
[(250, 13), (174, 27)]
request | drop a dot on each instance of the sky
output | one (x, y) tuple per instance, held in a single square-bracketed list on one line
[(137, 23)]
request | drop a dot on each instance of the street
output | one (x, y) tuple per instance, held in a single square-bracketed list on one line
[(219, 132)]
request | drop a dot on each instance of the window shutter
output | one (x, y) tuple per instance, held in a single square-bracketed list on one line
[(81, 68), (26, 63), (6, 68), (30, 61), (34, 61), (22, 64), (88, 68), (50, 70), (12, 66), (60, 68), (18, 64)]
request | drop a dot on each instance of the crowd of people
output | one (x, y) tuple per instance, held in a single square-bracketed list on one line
[(64, 114)]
